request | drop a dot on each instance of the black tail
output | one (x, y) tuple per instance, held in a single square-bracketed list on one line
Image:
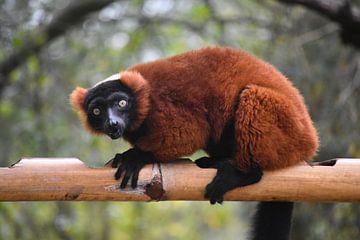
[(272, 221)]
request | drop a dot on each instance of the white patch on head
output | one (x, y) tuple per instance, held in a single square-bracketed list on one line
[(111, 78)]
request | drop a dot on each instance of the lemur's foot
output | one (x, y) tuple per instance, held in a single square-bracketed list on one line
[(227, 178), (129, 165), (207, 162)]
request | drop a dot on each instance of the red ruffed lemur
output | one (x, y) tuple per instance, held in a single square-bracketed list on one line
[(244, 113)]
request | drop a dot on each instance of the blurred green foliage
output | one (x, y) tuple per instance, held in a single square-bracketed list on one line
[(37, 120)]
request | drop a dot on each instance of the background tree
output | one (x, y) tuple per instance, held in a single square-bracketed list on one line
[(36, 118), (345, 13)]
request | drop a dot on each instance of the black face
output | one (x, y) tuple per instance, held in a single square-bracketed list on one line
[(110, 108)]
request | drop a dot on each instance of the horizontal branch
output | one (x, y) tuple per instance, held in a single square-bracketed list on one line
[(41, 179)]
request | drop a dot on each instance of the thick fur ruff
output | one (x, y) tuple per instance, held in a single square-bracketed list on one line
[(139, 86), (77, 98)]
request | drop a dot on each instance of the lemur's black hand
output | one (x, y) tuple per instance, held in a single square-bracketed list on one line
[(129, 165), (227, 178)]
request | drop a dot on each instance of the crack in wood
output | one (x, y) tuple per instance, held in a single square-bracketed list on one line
[(74, 193), (116, 188), (155, 189)]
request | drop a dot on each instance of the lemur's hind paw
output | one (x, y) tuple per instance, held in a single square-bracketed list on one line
[(228, 178), (205, 162)]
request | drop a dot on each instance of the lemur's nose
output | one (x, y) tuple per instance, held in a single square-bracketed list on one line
[(113, 123)]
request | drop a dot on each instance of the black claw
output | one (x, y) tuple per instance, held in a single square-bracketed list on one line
[(219, 199)]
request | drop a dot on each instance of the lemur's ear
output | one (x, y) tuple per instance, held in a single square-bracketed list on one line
[(77, 98), (140, 87)]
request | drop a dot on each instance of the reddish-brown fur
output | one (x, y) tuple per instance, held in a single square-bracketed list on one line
[(77, 99), (188, 99)]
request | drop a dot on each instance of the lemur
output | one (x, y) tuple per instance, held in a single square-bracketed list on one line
[(244, 113)]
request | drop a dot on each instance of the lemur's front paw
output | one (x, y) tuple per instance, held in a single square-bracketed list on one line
[(129, 165), (228, 178)]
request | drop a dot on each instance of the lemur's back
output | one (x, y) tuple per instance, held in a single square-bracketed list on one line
[(210, 80)]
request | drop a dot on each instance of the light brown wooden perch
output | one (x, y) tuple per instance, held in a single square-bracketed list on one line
[(43, 179)]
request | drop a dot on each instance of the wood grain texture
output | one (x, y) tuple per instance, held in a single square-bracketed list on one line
[(69, 179)]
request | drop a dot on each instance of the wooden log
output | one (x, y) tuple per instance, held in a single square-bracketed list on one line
[(47, 179)]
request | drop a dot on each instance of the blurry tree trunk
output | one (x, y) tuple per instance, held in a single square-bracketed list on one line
[(342, 12), (73, 14)]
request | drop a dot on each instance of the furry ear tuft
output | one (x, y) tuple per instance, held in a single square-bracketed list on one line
[(138, 84), (77, 98)]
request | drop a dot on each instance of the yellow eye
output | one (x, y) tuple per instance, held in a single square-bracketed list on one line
[(122, 103), (96, 111)]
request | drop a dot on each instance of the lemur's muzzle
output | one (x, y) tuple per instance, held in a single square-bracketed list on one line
[(115, 125)]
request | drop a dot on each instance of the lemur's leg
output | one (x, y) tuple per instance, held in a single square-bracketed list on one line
[(270, 133), (229, 177)]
